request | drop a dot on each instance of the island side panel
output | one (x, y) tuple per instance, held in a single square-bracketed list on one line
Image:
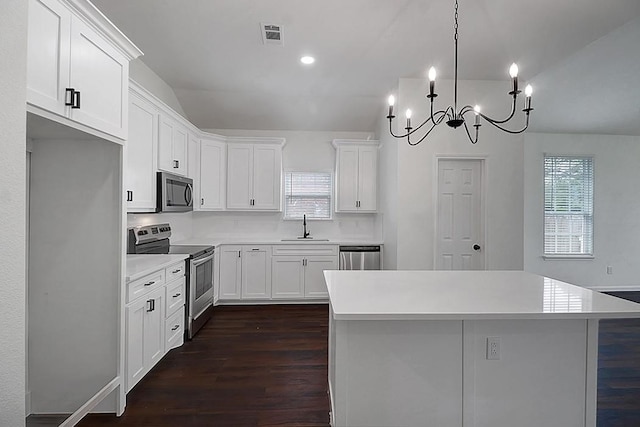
[(400, 373), (540, 379)]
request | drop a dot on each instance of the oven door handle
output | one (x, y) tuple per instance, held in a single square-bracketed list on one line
[(196, 263)]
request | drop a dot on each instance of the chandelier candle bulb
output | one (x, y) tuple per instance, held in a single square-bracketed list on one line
[(408, 114), (432, 81), (527, 103), (476, 109), (392, 100), (513, 71)]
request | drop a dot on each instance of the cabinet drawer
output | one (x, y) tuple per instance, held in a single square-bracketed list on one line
[(175, 271), (145, 284), (307, 249), (174, 330), (175, 296)]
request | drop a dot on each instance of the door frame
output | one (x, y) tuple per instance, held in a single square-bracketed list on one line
[(484, 236)]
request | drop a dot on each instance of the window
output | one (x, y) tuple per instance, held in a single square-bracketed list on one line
[(307, 193), (568, 205)]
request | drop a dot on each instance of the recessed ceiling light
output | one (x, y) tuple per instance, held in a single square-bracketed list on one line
[(307, 60)]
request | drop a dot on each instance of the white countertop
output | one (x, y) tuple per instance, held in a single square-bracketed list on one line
[(141, 265), (465, 295), (217, 241)]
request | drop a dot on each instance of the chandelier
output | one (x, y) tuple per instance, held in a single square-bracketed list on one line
[(456, 118)]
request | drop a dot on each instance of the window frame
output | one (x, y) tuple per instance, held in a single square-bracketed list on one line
[(569, 256), (331, 193)]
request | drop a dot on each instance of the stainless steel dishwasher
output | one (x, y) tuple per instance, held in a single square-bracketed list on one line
[(359, 257)]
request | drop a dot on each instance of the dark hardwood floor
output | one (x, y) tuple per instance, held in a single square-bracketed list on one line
[(619, 370), (267, 366), (249, 366)]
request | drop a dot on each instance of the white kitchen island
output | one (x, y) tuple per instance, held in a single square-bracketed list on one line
[(410, 348)]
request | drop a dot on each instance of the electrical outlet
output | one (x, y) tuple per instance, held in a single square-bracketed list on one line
[(493, 348), (609, 269)]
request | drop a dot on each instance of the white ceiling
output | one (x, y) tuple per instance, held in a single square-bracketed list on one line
[(583, 57)]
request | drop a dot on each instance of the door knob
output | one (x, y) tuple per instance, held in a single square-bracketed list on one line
[(476, 247)]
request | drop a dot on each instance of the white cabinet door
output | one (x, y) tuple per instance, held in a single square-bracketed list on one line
[(172, 146), (48, 55), (140, 176), (153, 340), (239, 176), (230, 272), (193, 168), (135, 367), (99, 74), (347, 179), (180, 142), (267, 166), (256, 272), (212, 174), (314, 284), (287, 277), (367, 178), (145, 325)]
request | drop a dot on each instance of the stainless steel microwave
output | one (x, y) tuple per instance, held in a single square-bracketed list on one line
[(175, 193)]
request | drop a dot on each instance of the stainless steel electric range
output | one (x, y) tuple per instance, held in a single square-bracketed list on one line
[(154, 239)]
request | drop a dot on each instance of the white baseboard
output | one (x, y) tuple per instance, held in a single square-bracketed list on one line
[(27, 403), (92, 403)]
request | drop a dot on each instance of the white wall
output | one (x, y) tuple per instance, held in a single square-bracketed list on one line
[(13, 44), (616, 208), (149, 80), (417, 172), (388, 192)]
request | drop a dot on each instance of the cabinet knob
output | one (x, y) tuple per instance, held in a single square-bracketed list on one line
[(149, 283), (202, 201), (175, 327), (175, 271), (76, 100), (68, 96), (476, 247), (177, 295), (176, 164)]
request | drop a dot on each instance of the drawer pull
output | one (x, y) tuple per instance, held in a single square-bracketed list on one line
[(150, 283), (176, 295), (176, 271), (175, 327)]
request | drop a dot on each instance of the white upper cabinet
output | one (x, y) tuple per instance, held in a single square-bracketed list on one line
[(193, 167), (76, 74), (140, 173), (213, 161), (356, 175), (254, 174), (172, 146)]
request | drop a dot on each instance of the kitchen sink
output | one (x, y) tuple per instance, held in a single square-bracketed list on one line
[(302, 239)]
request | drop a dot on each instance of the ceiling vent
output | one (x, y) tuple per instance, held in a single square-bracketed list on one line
[(272, 34)]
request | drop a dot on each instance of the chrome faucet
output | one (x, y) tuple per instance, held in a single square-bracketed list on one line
[(305, 233)]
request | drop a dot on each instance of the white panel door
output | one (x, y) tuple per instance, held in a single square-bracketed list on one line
[(256, 272), (460, 233), (314, 284), (287, 277), (239, 176), (140, 177), (347, 180), (100, 74), (367, 178), (230, 271), (267, 165), (212, 175), (48, 55)]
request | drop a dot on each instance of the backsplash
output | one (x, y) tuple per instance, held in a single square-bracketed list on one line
[(261, 225)]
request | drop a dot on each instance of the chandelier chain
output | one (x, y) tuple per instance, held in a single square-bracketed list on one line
[(455, 27)]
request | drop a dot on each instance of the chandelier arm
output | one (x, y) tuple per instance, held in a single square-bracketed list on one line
[(513, 112), (436, 122), (471, 140), (425, 135), (513, 132)]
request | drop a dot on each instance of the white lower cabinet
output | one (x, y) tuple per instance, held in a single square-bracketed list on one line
[(278, 272), (145, 335), (154, 319), (300, 276)]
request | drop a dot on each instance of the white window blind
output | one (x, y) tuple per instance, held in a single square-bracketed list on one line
[(307, 193), (568, 205)]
